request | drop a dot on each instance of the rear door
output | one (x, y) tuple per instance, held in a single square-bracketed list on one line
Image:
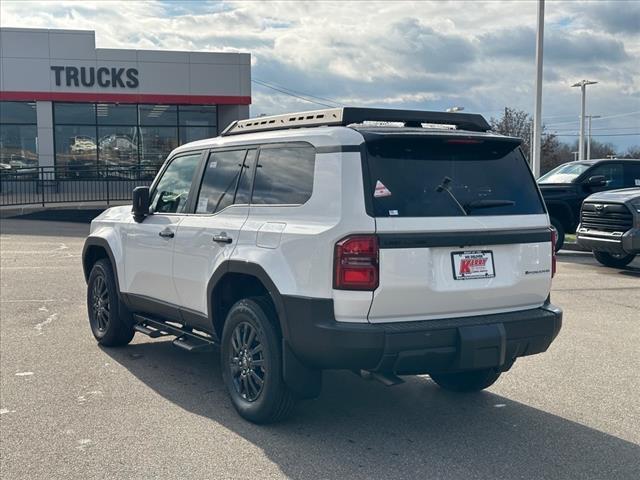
[(207, 238), (461, 227)]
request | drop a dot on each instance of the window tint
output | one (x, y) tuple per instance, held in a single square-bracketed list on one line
[(284, 175), (632, 174), (220, 180), (172, 191), (611, 171), (485, 178)]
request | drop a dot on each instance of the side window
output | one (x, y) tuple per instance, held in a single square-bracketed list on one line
[(243, 195), (172, 191), (284, 175), (220, 180), (612, 172), (632, 174)]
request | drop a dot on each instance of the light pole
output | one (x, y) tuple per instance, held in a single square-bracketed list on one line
[(454, 109), (537, 114), (590, 117), (583, 88)]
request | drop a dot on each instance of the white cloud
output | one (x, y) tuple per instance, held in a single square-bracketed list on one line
[(394, 53)]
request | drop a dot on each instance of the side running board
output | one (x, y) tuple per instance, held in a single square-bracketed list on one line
[(186, 339)]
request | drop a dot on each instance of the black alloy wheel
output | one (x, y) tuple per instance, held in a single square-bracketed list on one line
[(247, 363)]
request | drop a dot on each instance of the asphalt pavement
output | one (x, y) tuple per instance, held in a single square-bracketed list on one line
[(70, 409)]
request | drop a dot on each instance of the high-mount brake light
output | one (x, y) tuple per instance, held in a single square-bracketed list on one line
[(356, 263)]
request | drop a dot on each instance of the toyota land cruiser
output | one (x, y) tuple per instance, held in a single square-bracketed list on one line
[(383, 241)]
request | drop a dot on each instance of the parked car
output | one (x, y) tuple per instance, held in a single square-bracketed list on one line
[(565, 187), (610, 226), (314, 241)]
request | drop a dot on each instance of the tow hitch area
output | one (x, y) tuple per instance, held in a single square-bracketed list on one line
[(186, 338), (386, 378)]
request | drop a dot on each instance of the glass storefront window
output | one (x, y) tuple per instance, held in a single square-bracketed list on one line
[(111, 135), (18, 146), (18, 112), (158, 115), (156, 143), (118, 146), (76, 148), (197, 122), (74, 113), (116, 114), (18, 135)]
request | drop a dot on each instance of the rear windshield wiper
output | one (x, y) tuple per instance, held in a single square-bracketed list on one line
[(488, 204), (444, 186)]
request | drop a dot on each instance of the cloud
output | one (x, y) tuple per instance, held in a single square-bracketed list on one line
[(428, 55)]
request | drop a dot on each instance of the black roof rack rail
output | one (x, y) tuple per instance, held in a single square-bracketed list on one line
[(345, 116)]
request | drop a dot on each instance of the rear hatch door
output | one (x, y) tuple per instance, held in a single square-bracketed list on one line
[(461, 225)]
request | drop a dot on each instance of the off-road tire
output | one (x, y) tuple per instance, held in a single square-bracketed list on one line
[(109, 319), (471, 381), (614, 261), (252, 325)]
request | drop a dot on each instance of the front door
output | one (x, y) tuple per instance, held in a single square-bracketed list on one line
[(149, 245)]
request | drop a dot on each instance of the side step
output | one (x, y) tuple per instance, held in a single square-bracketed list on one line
[(186, 338)]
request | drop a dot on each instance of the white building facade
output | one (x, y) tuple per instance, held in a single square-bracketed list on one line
[(65, 103)]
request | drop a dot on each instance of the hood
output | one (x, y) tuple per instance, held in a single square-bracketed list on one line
[(622, 195)]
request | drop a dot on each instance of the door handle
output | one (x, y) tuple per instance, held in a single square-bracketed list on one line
[(166, 233), (222, 238)]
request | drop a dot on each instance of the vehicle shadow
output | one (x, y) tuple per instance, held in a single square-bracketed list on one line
[(362, 429), (586, 258), (45, 228)]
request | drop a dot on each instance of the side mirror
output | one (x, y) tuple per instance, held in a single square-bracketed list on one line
[(597, 181), (140, 207)]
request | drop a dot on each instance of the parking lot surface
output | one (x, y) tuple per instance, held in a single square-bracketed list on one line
[(70, 409)]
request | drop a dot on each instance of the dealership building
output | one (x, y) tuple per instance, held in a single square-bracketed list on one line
[(68, 104)]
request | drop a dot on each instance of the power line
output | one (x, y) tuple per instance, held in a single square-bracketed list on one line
[(598, 135), (282, 90), (298, 92)]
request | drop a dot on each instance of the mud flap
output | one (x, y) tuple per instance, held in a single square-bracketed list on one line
[(305, 382), (482, 346)]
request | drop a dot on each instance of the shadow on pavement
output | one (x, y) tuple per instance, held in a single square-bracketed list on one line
[(45, 228), (362, 429)]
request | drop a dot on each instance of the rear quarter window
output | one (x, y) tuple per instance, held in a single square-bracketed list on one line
[(485, 177)]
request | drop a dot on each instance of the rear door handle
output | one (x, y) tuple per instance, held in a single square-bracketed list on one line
[(166, 233), (222, 238)]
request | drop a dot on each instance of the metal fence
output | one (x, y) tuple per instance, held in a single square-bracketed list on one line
[(49, 185)]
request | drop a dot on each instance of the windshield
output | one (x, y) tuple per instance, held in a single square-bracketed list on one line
[(436, 177), (566, 173)]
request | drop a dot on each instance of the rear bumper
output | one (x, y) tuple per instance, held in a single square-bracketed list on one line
[(627, 243), (430, 346)]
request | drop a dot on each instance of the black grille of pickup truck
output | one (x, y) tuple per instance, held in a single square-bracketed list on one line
[(606, 217)]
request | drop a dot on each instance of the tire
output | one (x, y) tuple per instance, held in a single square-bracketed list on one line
[(254, 381), (471, 381), (555, 223), (613, 260), (108, 317)]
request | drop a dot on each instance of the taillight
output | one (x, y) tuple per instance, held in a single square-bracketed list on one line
[(554, 240), (356, 263)]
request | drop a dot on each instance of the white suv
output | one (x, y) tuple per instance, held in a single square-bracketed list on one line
[(333, 240)]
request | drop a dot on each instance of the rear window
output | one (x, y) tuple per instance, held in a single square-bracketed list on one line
[(447, 177)]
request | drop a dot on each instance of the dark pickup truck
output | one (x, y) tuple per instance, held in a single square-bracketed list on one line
[(565, 187), (610, 226)]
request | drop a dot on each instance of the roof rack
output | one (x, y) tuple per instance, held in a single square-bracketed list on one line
[(345, 116)]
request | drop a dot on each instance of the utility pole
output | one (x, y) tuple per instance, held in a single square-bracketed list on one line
[(583, 88), (590, 117), (537, 114)]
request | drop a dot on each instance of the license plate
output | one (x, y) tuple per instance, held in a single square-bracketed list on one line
[(473, 264)]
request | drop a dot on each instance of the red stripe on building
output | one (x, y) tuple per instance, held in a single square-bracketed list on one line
[(125, 98)]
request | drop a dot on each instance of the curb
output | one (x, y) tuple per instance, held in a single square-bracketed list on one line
[(18, 211), (574, 247)]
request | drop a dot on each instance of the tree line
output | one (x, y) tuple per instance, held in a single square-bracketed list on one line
[(518, 123)]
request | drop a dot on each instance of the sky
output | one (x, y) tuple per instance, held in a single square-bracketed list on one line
[(394, 54)]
